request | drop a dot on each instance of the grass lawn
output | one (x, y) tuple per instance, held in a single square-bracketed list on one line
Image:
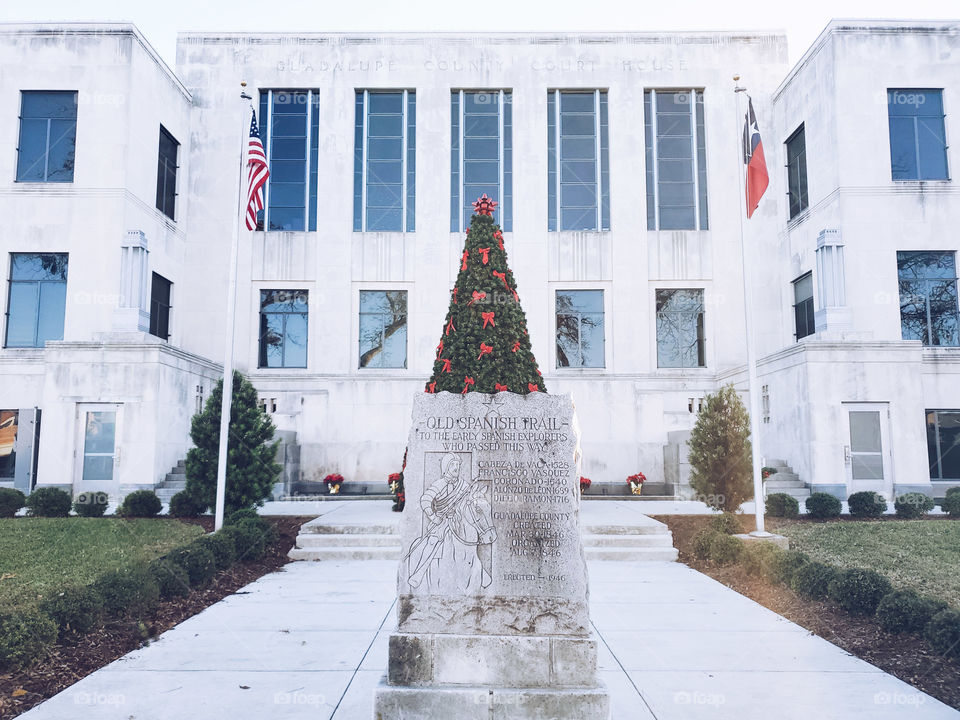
[(919, 554), (39, 556)]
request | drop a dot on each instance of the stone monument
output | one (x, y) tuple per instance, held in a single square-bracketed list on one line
[(492, 614)]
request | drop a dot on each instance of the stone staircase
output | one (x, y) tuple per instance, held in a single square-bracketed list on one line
[(174, 482), (785, 481), (321, 539)]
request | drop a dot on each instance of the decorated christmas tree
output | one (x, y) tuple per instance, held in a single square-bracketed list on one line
[(485, 346)]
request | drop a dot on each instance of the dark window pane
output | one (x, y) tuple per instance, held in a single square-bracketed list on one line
[(576, 102), (48, 134), (481, 126), (160, 306), (380, 102), (37, 299), (44, 104), (286, 218), (903, 148), (283, 329), (481, 171), (383, 329)]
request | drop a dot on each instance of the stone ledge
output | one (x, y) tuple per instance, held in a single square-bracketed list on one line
[(493, 615)]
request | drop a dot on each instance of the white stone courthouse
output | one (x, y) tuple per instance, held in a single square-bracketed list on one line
[(615, 162)]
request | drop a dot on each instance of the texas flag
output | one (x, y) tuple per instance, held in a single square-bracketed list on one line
[(757, 179)]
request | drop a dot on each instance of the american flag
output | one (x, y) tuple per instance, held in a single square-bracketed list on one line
[(257, 174)]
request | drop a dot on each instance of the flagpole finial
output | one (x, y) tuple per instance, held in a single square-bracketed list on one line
[(243, 92), (736, 78)]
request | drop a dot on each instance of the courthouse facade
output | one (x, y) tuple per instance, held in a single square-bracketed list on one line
[(614, 159)]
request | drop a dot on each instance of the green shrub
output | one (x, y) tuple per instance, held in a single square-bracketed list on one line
[(140, 503), (906, 611), (172, 580), (758, 557), (238, 516), (183, 504), (823, 505), (250, 539), (10, 502), (49, 502), (91, 504), (221, 547), (726, 523), (813, 580), (912, 505), (867, 504), (785, 564), (197, 560), (782, 505), (77, 611), (943, 632), (130, 592), (25, 638), (700, 545), (859, 591), (950, 504), (725, 549)]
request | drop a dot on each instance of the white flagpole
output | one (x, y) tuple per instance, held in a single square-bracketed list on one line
[(231, 313), (753, 384)]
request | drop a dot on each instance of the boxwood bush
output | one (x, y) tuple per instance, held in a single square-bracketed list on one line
[(77, 611), (172, 580), (867, 504), (49, 502), (197, 560), (758, 557), (11, 501), (906, 611), (183, 504), (726, 523), (238, 516), (129, 592), (943, 632), (950, 504), (912, 505), (91, 504), (701, 542), (221, 547), (782, 505), (25, 638), (725, 549), (250, 538), (785, 564), (823, 505), (813, 579), (140, 503), (858, 590)]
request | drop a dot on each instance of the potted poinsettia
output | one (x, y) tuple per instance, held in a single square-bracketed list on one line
[(333, 481), (636, 483), (584, 484), (395, 481)]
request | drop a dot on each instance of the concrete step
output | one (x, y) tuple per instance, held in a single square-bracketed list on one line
[(315, 540), (799, 493), (771, 483), (626, 554), (624, 541), (784, 477), (316, 527), (345, 553), (177, 482), (647, 529)]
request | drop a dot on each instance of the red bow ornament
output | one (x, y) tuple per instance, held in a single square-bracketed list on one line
[(432, 387), (463, 258), (498, 236), (485, 350), (499, 388), (484, 205), (467, 382), (455, 296), (484, 254), (449, 327), (516, 346), (446, 365), (487, 318), (440, 348), (533, 388), (477, 296)]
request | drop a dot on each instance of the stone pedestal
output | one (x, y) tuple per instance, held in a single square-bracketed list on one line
[(492, 618)]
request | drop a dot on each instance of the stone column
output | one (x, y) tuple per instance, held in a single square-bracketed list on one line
[(492, 618)]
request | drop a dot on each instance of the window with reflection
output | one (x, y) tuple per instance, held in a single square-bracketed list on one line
[(167, 173), (37, 298), (680, 336), (943, 444), (283, 329), (918, 141), (797, 171), (803, 313), (48, 136), (383, 328), (580, 341), (928, 297)]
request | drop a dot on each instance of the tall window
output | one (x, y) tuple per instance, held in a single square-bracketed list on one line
[(580, 328), (167, 173), (680, 336), (283, 329), (383, 328), (48, 136), (37, 300), (797, 171), (578, 167), (943, 444), (384, 170), (928, 297), (676, 160), (160, 306), (290, 127), (481, 155), (918, 141), (803, 305)]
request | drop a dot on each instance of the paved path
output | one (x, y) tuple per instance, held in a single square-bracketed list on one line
[(310, 641)]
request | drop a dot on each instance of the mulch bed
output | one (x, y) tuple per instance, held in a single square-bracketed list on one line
[(908, 657), (67, 664)]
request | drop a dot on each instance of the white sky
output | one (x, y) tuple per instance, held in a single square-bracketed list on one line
[(160, 21)]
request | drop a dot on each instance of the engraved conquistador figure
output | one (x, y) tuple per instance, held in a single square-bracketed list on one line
[(454, 551)]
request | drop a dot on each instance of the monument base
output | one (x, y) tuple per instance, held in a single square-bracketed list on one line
[(484, 703)]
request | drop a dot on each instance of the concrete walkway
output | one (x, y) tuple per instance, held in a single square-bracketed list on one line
[(310, 641)]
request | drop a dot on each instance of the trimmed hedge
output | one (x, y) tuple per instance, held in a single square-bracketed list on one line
[(183, 504), (25, 638), (197, 560), (757, 557), (140, 503), (131, 592), (91, 504), (11, 501), (943, 632), (910, 506), (77, 611), (49, 502), (221, 547), (782, 505), (867, 504), (172, 580), (858, 590), (823, 505), (906, 611), (238, 516), (725, 549), (813, 579), (785, 564), (250, 538), (950, 504), (701, 542), (726, 523)]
